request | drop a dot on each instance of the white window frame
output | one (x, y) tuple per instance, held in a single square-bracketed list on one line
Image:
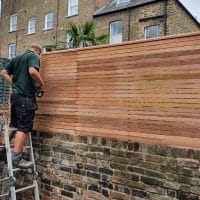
[(151, 28), (73, 7), (11, 50), (122, 1), (49, 20), (116, 37), (31, 25), (13, 23), (46, 49)]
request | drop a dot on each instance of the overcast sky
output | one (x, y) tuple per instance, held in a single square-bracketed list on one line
[(193, 6)]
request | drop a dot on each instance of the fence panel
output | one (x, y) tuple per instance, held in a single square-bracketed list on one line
[(147, 90)]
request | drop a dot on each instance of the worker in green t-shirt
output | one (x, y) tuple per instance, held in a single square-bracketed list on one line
[(22, 73)]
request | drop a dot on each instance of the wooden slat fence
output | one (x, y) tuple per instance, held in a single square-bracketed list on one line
[(147, 91)]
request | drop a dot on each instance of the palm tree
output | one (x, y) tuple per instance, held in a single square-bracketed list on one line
[(84, 36)]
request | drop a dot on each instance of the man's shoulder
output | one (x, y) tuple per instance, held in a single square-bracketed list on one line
[(32, 55), (15, 59)]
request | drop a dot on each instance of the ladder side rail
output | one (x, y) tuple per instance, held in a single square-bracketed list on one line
[(36, 189), (9, 160)]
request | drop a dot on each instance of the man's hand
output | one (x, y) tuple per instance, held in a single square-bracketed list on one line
[(6, 76)]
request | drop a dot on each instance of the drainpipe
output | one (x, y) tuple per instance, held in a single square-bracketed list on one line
[(129, 24), (57, 16), (165, 17)]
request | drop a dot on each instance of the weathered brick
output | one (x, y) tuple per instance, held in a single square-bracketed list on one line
[(67, 194), (181, 195), (117, 159), (133, 146), (93, 168), (154, 158), (57, 183), (117, 152), (69, 188), (79, 171), (195, 190), (94, 188), (48, 188), (66, 169), (105, 171), (149, 165), (67, 151), (106, 185), (154, 174), (150, 181), (135, 184), (117, 166), (117, 195), (138, 170), (185, 188), (93, 175), (139, 193), (171, 193), (105, 193), (46, 181)]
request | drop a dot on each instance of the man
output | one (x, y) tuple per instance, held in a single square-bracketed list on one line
[(23, 74)]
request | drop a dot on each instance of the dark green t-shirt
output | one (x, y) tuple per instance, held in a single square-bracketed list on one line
[(18, 67)]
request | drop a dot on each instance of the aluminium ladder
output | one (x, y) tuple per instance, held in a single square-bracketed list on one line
[(10, 176)]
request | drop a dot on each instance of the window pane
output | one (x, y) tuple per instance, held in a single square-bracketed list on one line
[(73, 2), (116, 32), (31, 25), (152, 31), (72, 7), (48, 21), (13, 22), (12, 50), (116, 39), (116, 27)]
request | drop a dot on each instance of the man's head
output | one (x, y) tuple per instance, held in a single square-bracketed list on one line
[(36, 49)]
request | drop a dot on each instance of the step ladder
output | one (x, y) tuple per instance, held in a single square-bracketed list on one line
[(10, 176)]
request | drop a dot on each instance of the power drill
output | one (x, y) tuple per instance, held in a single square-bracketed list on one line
[(39, 92)]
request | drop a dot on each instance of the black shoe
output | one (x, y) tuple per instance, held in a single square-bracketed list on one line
[(3, 157), (24, 164)]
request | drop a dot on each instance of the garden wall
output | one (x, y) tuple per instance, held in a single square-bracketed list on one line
[(121, 122)]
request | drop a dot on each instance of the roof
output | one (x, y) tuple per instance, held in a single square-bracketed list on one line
[(114, 7)]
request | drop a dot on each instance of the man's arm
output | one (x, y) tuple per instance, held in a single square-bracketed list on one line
[(36, 76), (6, 76)]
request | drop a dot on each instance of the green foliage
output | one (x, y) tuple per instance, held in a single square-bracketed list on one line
[(84, 36)]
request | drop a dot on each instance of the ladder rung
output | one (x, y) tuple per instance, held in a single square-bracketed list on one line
[(4, 179), (26, 188), (16, 169), (11, 129), (4, 195), (25, 147)]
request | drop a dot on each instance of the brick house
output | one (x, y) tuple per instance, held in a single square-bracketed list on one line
[(44, 22)]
